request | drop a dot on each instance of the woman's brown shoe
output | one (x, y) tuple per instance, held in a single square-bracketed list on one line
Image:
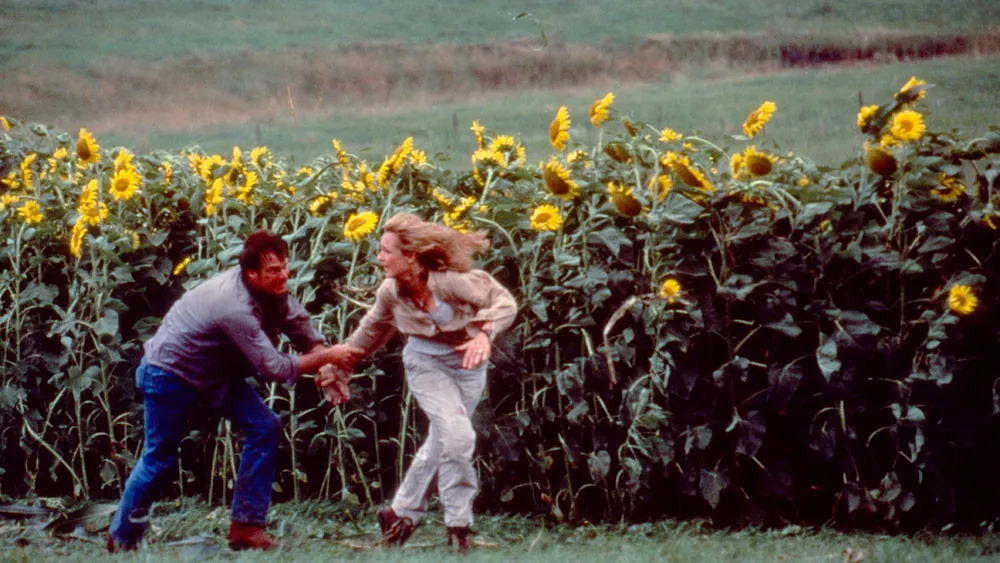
[(460, 538), (395, 529)]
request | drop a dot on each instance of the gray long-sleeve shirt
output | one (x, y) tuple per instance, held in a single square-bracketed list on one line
[(218, 332)]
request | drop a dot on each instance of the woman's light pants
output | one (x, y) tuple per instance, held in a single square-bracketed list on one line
[(448, 395)]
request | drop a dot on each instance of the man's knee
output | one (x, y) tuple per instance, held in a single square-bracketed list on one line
[(267, 429)]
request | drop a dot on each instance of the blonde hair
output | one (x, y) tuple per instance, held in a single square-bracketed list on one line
[(437, 247)]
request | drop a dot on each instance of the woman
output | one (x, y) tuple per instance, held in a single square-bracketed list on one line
[(449, 315)]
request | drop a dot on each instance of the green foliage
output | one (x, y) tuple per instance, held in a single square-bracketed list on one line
[(722, 330), (318, 531)]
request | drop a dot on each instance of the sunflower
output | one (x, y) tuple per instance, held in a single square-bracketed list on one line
[(546, 218), (30, 212), (670, 290), (261, 157), (209, 168), (660, 185), (558, 180), (865, 115), (880, 161), (27, 174), (907, 125), (385, 173), (124, 160), (244, 193), (11, 181), (502, 143), (92, 211), (758, 118), (319, 205), (124, 184), (342, 159), (669, 135), (573, 156), (477, 130), (134, 238), (181, 266), (600, 110), (360, 224), (907, 94), (418, 157), (214, 197), (486, 159), (365, 176), (754, 162), (8, 200), (949, 188), (87, 149), (168, 172), (623, 200), (400, 155), (76, 237), (618, 152), (961, 300), (4, 123), (559, 129), (687, 172), (630, 127)]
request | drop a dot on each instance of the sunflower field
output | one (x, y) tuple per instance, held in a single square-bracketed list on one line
[(706, 328)]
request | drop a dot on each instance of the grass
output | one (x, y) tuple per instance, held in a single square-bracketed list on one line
[(79, 34), (321, 531), (816, 114)]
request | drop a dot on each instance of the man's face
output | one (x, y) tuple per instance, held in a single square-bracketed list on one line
[(272, 277)]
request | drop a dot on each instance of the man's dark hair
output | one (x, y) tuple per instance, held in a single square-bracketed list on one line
[(258, 244)]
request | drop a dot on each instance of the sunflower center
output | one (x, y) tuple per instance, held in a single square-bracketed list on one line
[(758, 165), (356, 224)]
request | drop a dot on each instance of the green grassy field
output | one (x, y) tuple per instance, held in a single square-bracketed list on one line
[(319, 531), (816, 114), (82, 33)]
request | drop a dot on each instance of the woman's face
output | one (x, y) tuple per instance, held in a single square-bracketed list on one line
[(394, 262)]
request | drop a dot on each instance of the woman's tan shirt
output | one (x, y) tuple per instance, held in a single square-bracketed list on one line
[(476, 297)]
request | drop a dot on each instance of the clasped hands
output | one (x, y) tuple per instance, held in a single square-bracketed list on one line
[(334, 377)]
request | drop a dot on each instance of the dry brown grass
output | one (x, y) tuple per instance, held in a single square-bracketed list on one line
[(367, 78)]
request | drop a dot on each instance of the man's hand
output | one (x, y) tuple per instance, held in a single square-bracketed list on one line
[(335, 384), (344, 357), (477, 351)]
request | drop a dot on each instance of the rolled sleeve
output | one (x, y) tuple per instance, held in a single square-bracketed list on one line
[(299, 328), (377, 327)]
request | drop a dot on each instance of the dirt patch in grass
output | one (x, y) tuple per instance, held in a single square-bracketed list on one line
[(212, 89)]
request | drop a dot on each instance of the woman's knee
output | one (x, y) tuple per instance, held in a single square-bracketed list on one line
[(458, 441)]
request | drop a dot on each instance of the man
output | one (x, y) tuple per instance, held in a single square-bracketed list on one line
[(215, 336)]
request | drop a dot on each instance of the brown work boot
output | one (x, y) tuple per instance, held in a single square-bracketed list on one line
[(395, 529), (118, 547), (460, 537), (250, 536)]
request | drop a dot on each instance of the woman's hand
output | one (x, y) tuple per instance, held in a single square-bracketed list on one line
[(335, 384), (477, 351)]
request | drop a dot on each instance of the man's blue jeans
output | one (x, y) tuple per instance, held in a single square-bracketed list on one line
[(167, 399)]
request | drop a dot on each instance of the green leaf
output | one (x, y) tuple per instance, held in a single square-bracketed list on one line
[(786, 326), (711, 485), (826, 356), (613, 239), (599, 463), (108, 324)]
